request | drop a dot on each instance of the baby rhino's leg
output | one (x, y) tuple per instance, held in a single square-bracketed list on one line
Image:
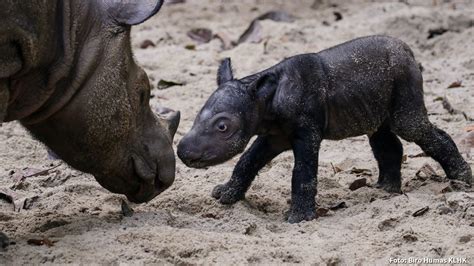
[(436, 144), (410, 121), (262, 151), (305, 144), (388, 152)]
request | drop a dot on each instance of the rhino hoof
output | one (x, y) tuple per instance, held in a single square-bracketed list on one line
[(296, 216), (227, 194), (390, 187)]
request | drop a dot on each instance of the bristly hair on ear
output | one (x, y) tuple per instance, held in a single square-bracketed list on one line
[(224, 73)]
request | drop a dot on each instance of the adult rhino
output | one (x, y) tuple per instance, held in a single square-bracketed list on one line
[(67, 74)]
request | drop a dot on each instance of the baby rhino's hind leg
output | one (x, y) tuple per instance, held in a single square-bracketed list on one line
[(438, 145), (409, 120), (388, 152)]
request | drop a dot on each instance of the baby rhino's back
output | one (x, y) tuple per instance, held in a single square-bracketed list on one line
[(361, 78)]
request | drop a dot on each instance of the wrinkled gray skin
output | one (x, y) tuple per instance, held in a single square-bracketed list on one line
[(370, 85), (68, 74)]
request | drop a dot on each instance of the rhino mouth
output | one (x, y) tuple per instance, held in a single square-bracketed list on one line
[(199, 160), (202, 163), (150, 183)]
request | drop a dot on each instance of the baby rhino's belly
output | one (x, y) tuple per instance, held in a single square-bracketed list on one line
[(354, 115)]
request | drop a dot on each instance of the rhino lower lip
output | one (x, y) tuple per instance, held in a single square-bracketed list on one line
[(141, 197), (148, 191), (203, 162)]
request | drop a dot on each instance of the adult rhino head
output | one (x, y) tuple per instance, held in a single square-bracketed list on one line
[(68, 74)]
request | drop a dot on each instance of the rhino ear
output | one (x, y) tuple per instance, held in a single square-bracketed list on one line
[(263, 87), (129, 12), (224, 73)]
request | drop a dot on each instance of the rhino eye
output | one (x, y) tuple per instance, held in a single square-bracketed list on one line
[(222, 127)]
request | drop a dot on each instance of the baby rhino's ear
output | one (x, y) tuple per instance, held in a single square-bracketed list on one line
[(224, 73), (263, 87)]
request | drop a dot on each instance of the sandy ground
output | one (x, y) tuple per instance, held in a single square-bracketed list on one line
[(185, 225)]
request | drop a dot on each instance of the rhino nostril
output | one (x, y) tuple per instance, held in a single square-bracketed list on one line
[(142, 169)]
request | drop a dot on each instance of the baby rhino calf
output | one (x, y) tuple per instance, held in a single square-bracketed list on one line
[(370, 85)]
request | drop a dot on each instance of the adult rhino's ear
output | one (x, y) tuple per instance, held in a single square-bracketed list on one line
[(131, 12), (224, 73), (263, 87)]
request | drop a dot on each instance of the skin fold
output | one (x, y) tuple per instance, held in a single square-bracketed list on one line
[(67, 73), (368, 86)]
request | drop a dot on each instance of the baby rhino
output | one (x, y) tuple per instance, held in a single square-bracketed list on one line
[(370, 85)]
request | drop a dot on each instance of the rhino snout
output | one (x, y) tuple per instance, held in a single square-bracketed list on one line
[(153, 177), (188, 156), (193, 153), (153, 160)]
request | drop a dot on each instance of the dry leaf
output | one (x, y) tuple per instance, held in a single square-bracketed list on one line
[(225, 40), (410, 238), (361, 171), (33, 172), (164, 84), (278, 16), (469, 128), (338, 206), (436, 32), (446, 189), (190, 47), (447, 105), (321, 212), (174, 2), (40, 242), (147, 43), (455, 84), (19, 202), (200, 35), (421, 211), (253, 33), (426, 171), (465, 239), (358, 183), (345, 165)]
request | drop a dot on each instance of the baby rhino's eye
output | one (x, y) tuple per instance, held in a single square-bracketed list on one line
[(222, 127)]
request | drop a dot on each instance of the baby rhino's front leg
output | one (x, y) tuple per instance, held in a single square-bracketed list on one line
[(262, 151), (305, 146)]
